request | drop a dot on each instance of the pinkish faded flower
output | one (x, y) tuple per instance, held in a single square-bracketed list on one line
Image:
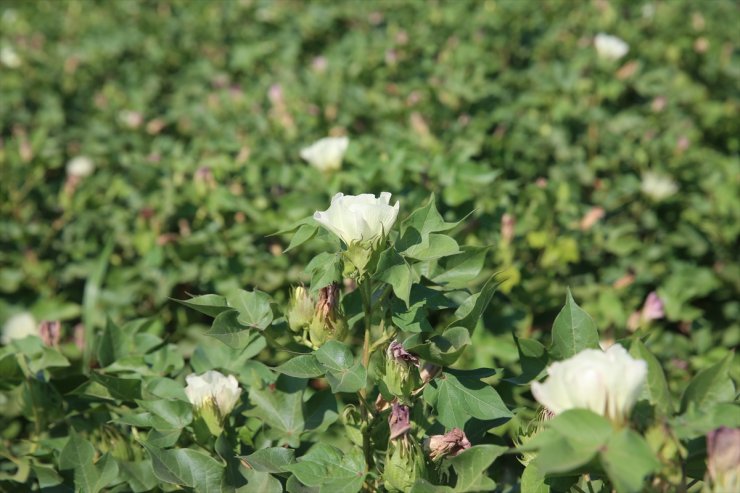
[(723, 459), (50, 332), (399, 420), (653, 307), (508, 223), (450, 444), (399, 353)]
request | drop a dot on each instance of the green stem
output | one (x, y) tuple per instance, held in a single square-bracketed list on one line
[(366, 292)]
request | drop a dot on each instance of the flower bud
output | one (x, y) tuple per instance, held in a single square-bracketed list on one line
[(50, 332), (300, 313), (723, 459), (213, 396), (450, 444), (328, 322), (405, 461), (401, 371)]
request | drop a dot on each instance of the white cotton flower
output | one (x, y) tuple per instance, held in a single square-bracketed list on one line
[(605, 382), (9, 57), (213, 388), (19, 326), (359, 219), (610, 47), (80, 167), (657, 187), (326, 154)]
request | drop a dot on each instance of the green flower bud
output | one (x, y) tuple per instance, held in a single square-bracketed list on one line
[(301, 309), (328, 322), (401, 372), (405, 462), (527, 433)]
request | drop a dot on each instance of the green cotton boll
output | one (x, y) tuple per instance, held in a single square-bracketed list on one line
[(404, 465), (401, 379), (328, 322), (301, 309)]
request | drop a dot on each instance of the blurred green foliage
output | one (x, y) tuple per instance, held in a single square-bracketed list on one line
[(194, 113)]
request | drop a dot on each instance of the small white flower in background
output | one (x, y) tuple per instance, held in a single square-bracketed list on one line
[(80, 167), (19, 326), (326, 154), (9, 57), (605, 382), (610, 47), (657, 187)]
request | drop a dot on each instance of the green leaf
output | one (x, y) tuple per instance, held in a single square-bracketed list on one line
[(320, 411), (656, 389), (177, 414), (709, 386), (532, 480), (471, 310), (573, 331), (462, 268), (343, 373), (112, 344), (253, 307), (431, 247), (228, 329), (187, 467), (533, 359), (208, 304), (627, 460), (125, 389), (471, 466), (426, 219), (395, 271), (303, 234), (302, 366), (570, 440), (77, 452), (457, 399), (414, 320), (325, 268), (271, 459), (441, 350), (331, 469), (139, 475), (260, 482), (281, 408)]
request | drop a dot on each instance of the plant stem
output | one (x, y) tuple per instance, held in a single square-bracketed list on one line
[(366, 292)]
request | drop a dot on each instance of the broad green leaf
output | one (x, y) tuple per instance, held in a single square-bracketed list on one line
[(627, 459), (302, 366), (532, 358), (187, 467), (471, 466), (471, 310), (343, 373), (320, 411), (208, 304), (656, 389), (228, 329), (112, 344), (432, 247), (281, 408), (460, 269), (695, 423), (414, 320), (253, 307), (138, 475), (583, 427), (532, 480), (443, 349), (77, 452), (709, 386), (177, 414), (395, 271), (125, 389), (331, 469), (573, 331), (325, 268), (271, 459), (426, 219), (260, 482), (457, 399)]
